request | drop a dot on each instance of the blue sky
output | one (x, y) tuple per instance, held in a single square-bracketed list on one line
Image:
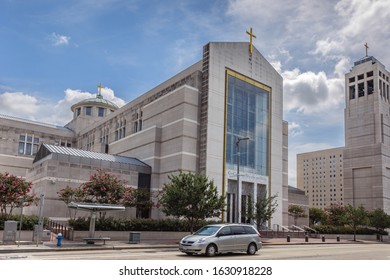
[(55, 53)]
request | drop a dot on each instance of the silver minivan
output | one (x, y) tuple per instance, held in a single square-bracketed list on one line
[(222, 238)]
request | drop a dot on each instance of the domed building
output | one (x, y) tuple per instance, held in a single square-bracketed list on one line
[(89, 111)]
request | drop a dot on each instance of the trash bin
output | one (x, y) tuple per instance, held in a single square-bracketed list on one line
[(134, 237)]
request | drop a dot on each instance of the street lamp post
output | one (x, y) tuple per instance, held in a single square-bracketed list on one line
[(21, 219), (238, 204)]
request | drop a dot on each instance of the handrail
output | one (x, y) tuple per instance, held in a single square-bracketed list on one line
[(283, 227), (311, 229), (298, 228)]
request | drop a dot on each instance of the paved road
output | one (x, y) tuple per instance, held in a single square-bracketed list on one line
[(270, 252)]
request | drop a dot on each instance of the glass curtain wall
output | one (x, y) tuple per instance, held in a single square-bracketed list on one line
[(247, 116)]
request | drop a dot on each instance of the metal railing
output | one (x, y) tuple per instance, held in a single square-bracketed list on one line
[(58, 227)]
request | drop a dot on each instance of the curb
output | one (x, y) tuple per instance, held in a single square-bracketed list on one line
[(148, 246)]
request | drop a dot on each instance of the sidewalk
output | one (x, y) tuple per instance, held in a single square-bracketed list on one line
[(121, 245)]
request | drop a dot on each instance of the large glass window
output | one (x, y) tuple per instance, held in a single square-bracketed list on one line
[(248, 116)]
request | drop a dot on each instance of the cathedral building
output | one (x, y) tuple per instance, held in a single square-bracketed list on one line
[(221, 117)]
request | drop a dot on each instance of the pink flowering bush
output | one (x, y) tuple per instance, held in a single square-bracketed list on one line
[(14, 192)]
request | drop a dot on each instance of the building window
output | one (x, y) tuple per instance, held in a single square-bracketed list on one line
[(101, 112), (136, 127), (90, 142), (361, 89), (352, 92), (138, 121), (28, 145), (78, 112), (104, 132), (88, 111), (370, 87), (120, 131)]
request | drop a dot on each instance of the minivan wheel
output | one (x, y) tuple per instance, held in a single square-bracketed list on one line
[(211, 250), (251, 249)]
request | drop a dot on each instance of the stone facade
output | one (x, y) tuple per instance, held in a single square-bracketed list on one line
[(367, 135)]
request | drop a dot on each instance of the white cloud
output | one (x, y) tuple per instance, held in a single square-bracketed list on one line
[(327, 46), (61, 112), (110, 95), (312, 93), (359, 21), (18, 104), (294, 129), (22, 105), (59, 40)]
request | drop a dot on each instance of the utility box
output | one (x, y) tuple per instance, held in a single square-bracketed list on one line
[(9, 234), (134, 237), (38, 233), (46, 235)]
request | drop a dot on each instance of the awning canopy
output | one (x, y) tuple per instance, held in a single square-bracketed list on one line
[(95, 207)]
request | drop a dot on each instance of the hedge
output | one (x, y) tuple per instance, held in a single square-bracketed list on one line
[(131, 224), (28, 222), (330, 229)]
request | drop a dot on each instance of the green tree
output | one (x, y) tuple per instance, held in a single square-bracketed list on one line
[(191, 196), (379, 219), (316, 216), (140, 199), (335, 215), (354, 217), (14, 192), (68, 195), (296, 211), (264, 208)]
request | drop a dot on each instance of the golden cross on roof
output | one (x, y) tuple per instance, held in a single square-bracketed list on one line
[(251, 35), (100, 86), (366, 45)]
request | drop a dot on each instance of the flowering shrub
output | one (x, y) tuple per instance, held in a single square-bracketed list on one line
[(105, 188), (14, 192)]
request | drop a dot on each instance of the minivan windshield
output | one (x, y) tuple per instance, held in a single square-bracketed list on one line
[(207, 230)]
